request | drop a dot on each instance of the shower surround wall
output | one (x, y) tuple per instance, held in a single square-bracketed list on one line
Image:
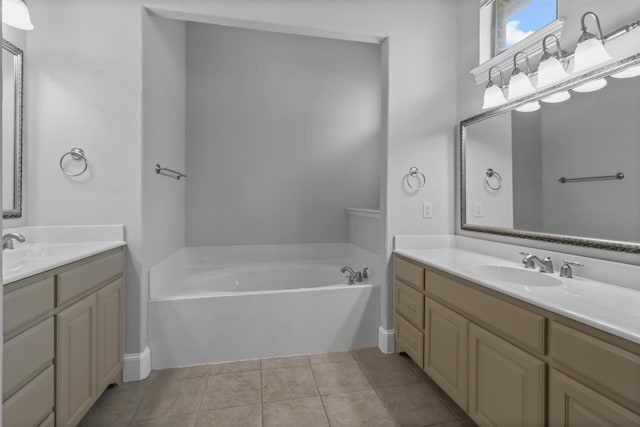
[(283, 134)]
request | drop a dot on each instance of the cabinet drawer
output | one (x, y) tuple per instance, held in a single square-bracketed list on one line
[(410, 304), (410, 340), (49, 422), (608, 366), (26, 354), (31, 404), (518, 324), (26, 304), (75, 282), (410, 273)]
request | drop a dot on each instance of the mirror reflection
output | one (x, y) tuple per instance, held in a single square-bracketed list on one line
[(571, 168), (11, 130)]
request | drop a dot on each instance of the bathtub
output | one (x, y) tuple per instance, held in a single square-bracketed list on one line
[(218, 304)]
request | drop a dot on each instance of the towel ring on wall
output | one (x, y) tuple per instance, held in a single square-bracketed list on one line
[(498, 179), (76, 154), (414, 172)]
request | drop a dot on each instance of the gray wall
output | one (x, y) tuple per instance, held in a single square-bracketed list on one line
[(527, 171), (282, 136)]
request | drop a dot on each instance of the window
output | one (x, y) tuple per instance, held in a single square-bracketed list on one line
[(515, 20)]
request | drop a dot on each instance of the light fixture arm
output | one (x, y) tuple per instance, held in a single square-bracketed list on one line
[(559, 52), (495, 67), (587, 35), (516, 68)]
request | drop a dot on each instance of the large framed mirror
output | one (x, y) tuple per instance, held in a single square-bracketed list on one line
[(11, 130), (566, 173)]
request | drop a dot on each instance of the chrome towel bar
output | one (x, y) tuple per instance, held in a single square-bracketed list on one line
[(619, 175), (169, 172)]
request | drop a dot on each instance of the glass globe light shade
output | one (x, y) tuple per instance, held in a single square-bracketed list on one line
[(591, 86), (589, 53), (529, 107), (493, 97), (550, 72), (628, 73), (519, 86), (557, 97), (16, 14)]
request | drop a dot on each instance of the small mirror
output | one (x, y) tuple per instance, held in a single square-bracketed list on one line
[(11, 130), (567, 172)]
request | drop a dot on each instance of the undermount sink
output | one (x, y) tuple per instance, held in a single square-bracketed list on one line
[(518, 276), (28, 256)]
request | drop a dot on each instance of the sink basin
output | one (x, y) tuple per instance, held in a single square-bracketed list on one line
[(517, 276), (40, 250)]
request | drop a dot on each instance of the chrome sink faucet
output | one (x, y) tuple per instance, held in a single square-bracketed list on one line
[(531, 261), (7, 240)]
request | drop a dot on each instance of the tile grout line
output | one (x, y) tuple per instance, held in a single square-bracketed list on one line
[(261, 397), (315, 380), (144, 396)]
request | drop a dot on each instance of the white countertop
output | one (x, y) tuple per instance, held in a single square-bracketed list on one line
[(611, 308), (49, 247), (13, 270)]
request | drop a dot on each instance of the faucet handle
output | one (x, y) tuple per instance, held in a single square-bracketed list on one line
[(566, 270), (365, 273)]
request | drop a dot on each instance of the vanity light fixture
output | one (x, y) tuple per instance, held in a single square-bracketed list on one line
[(16, 14), (552, 70), (520, 83), (590, 51), (628, 73), (493, 94)]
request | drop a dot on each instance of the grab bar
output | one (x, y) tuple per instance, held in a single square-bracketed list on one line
[(619, 175), (169, 172)]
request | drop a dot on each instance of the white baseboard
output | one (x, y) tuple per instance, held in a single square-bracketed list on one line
[(137, 366), (386, 342)]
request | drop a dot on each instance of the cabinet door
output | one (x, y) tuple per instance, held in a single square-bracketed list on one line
[(75, 361), (446, 350), (572, 404), (506, 385), (109, 326)]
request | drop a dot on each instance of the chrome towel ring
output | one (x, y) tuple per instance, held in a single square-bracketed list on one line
[(498, 179), (415, 173), (76, 154)]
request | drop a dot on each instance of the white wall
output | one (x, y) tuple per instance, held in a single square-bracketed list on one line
[(283, 133), (593, 134), (612, 13), (527, 170), (489, 147), (83, 84)]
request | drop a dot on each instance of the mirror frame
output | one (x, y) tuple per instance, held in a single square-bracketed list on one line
[(612, 245), (16, 212)]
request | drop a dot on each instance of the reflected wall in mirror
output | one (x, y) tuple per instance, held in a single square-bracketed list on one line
[(538, 155), (11, 130)]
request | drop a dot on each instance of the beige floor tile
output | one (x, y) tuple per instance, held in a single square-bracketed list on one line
[(232, 367), (186, 420), (343, 356), (288, 384), (360, 408), (236, 389), (341, 377), (179, 374), (115, 407), (295, 413), (414, 405), (388, 370), (172, 398), (452, 424), (239, 416), (363, 353), (284, 362)]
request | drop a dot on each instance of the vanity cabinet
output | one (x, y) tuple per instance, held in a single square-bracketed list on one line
[(506, 362), (63, 341)]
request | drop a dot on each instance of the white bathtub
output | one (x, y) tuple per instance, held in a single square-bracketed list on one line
[(217, 304)]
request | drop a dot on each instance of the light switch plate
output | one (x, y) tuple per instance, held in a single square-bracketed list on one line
[(477, 210), (427, 210)]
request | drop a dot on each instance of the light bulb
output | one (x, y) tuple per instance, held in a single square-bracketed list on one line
[(628, 73), (493, 97), (589, 53), (520, 86), (557, 97), (16, 14), (550, 72), (529, 107), (591, 86)]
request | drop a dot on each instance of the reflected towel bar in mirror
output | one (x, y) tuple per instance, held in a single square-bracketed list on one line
[(619, 175)]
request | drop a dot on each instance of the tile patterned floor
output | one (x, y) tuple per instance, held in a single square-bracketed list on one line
[(358, 388)]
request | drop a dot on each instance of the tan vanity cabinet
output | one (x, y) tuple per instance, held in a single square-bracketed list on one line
[(506, 384), (509, 363), (63, 341), (446, 350)]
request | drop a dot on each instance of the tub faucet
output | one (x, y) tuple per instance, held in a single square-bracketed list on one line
[(531, 261), (7, 240), (353, 276)]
